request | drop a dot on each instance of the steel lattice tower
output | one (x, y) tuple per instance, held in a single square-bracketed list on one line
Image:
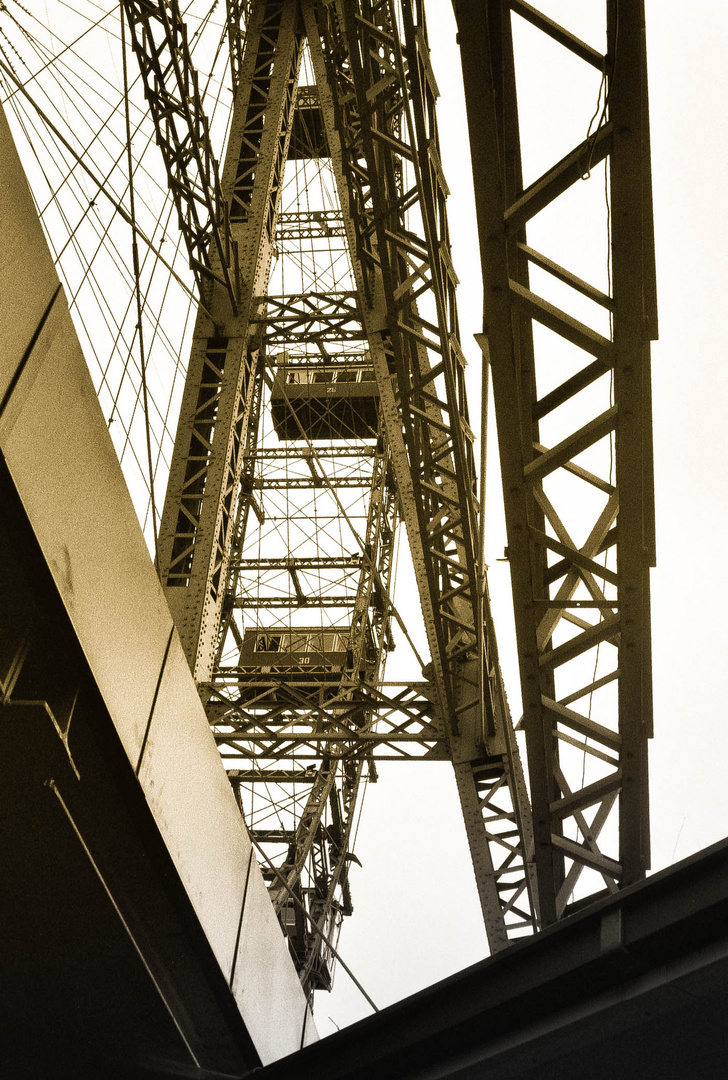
[(325, 413)]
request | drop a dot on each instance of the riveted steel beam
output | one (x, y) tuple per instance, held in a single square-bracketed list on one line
[(377, 87), (171, 87), (199, 511), (585, 495)]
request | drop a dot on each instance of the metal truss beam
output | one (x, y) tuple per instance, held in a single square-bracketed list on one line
[(302, 483), (321, 224), (291, 563), (235, 11), (578, 500), (377, 92), (171, 87), (374, 724), (197, 521), (295, 600), (330, 318)]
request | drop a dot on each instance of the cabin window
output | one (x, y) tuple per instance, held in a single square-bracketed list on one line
[(268, 643)]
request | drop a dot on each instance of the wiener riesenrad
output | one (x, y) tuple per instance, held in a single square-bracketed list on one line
[(247, 207)]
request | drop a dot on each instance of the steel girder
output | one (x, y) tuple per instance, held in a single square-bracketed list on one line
[(236, 11), (322, 223), (280, 729), (330, 318), (376, 82), (575, 450), (159, 40), (197, 521)]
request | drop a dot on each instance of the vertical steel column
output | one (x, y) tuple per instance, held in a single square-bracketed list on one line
[(635, 323), (197, 519), (581, 606), (378, 93)]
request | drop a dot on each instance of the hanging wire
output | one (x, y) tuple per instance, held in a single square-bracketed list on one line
[(85, 104), (316, 929), (66, 48), (137, 289), (100, 183)]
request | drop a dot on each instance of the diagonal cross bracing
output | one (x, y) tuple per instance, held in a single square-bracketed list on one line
[(159, 41), (376, 82), (575, 451), (198, 516)]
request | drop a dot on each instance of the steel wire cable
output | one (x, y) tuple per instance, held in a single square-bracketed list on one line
[(138, 296), (117, 332)]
